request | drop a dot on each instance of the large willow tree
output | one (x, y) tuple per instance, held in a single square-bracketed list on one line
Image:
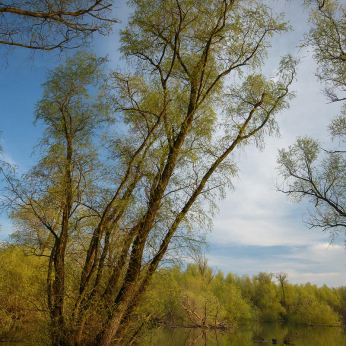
[(106, 218)]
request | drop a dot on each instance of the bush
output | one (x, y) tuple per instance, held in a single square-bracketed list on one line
[(312, 312)]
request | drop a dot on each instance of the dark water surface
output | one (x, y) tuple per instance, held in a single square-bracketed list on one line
[(242, 336), (297, 335)]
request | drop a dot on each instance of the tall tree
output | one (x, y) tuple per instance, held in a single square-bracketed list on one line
[(309, 171), (53, 25), (196, 95), (47, 203)]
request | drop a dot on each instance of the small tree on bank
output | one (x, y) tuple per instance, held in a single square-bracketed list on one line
[(107, 224)]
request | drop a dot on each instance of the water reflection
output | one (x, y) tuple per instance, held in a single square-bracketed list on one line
[(285, 334)]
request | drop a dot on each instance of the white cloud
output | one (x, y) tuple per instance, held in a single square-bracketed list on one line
[(263, 233), (256, 214), (326, 257), (331, 279)]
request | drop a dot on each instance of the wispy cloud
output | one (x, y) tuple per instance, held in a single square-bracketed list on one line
[(9, 159)]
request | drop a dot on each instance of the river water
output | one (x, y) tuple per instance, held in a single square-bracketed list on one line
[(284, 333)]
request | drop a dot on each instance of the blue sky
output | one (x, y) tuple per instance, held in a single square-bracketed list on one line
[(257, 228)]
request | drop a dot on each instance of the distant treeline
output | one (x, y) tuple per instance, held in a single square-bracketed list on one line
[(200, 296), (195, 296)]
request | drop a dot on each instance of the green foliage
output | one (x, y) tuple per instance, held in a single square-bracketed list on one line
[(22, 290), (238, 310), (266, 297), (326, 38), (197, 298), (310, 311), (211, 300), (175, 297), (75, 90)]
